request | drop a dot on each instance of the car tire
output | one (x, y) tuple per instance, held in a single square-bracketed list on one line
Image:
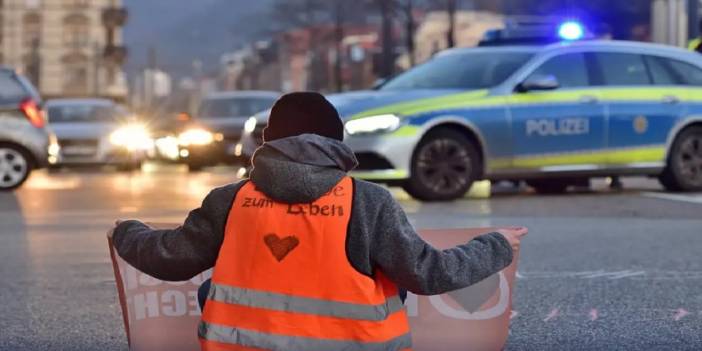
[(195, 166), (130, 166), (549, 186), (683, 171), (444, 166), (15, 167)]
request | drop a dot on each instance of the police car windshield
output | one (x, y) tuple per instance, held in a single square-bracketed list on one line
[(462, 70)]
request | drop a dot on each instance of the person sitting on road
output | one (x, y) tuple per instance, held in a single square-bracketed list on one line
[(306, 257)]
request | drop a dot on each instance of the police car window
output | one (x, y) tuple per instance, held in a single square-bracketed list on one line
[(569, 69), (690, 75), (466, 70), (622, 69), (660, 71)]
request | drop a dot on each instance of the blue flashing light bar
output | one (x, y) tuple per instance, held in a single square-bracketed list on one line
[(571, 30)]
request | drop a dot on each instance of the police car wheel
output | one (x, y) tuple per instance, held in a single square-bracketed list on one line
[(444, 166), (15, 167), (195, 166), (684, 169)]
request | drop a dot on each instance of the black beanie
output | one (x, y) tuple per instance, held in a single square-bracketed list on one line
[(303, 113)]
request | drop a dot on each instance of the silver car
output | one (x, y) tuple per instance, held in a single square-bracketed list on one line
[(98, 132), (212, 135), (25, 141)]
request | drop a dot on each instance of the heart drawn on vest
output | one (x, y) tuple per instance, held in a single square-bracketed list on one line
[(280, 247)]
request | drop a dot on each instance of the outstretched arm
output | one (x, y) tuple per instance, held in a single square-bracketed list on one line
[(181, 253), (414, 264)]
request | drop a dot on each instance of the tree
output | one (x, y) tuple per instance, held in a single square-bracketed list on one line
[(386, 9), (451, 32), (410, 27)]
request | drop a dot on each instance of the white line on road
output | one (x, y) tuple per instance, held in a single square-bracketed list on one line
[(680, 314), (553, 314), (695, 199), (513, 314), (593, 315)]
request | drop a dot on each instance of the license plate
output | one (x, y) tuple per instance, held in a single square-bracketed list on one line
[(79, 150)]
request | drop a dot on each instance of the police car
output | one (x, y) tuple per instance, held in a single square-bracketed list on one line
[(552, 115)]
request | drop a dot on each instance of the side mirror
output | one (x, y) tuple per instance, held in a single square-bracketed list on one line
[(538, 82)]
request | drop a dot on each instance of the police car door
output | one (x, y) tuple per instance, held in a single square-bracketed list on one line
[(558, 126), (645, 99)]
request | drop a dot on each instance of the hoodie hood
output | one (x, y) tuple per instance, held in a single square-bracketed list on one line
[(302, 168)]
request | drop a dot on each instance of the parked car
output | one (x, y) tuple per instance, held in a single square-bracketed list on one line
[(212, 134), (98, 132), (553, 115), (25, 141)]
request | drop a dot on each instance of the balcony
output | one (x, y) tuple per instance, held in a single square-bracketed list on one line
[(114, 17), (116, 54)]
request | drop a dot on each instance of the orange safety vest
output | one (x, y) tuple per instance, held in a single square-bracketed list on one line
[(282, 281)]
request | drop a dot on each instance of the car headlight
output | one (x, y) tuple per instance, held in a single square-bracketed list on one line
[(373, 124), (250, 124), (132, 137), (196, 136)]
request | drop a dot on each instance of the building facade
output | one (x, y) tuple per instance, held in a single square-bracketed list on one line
[(68, 48)]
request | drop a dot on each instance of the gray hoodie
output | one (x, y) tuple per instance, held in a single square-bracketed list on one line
[(300, 170)]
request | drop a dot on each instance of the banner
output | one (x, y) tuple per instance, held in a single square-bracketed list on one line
[(162, 315)]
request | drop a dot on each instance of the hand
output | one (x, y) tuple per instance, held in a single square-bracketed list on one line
[(111, 232), (514, 236)]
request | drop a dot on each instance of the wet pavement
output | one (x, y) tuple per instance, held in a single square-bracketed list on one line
[(600, 269)]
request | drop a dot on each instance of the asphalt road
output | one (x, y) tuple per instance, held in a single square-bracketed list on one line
[(600, 269)]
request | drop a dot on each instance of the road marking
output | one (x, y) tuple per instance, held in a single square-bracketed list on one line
[(680, 314), (695, 199), (627, 274), (593, 315), (612, 275), (513, 314), (553, 314)]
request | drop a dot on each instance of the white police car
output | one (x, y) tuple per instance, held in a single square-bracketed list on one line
[(552, 115)]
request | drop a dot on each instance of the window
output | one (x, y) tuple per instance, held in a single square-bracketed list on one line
[(660, 71), (76, 30), (11, 90), (77, 36), (78, 3), (32, 29), (461, 70), (234, 107), (622, 69), (689, 74), (569, 69), (84, 113)]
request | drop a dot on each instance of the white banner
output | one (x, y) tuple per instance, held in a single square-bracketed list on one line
[(162, 315)]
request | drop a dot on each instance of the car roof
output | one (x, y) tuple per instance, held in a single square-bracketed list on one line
[(243, 94), (619, 44), (488, 49), (79, 101), (633, 46)]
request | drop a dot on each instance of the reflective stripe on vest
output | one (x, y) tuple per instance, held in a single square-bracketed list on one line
[(267, 341), (287, 303), (283, 281)]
